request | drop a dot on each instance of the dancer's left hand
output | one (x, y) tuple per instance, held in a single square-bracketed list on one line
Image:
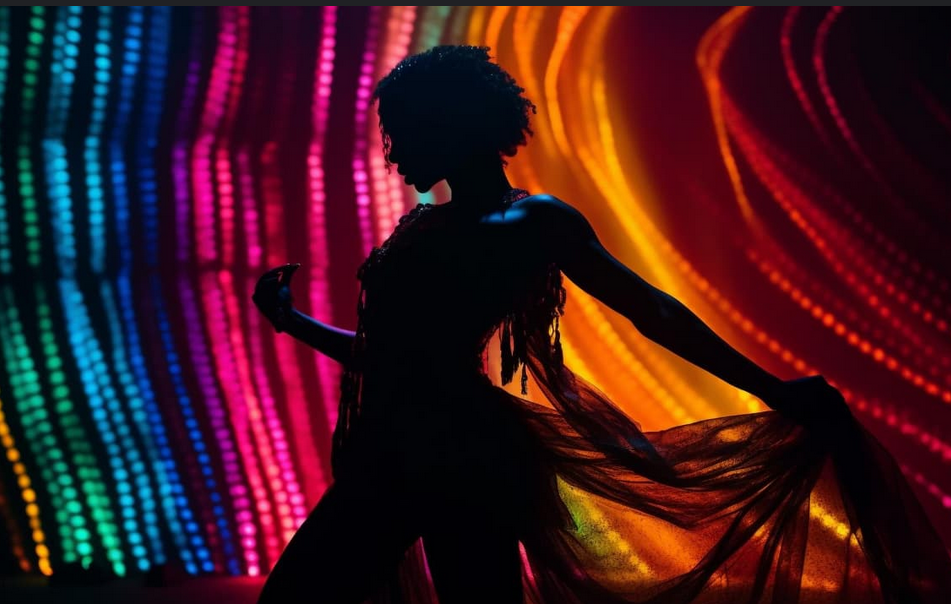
[(272, 295)]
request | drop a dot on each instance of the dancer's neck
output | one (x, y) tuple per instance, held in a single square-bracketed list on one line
[(481, 185)]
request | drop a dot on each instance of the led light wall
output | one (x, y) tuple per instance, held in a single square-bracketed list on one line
[(780, 171)]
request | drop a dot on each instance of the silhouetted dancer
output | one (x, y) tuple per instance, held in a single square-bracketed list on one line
[(427, 447)]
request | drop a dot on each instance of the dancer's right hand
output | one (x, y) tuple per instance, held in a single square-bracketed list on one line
[(272, 295), (812, 402)]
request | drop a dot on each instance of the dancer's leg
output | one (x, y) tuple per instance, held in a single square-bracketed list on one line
[(474, 563), (343, 551)]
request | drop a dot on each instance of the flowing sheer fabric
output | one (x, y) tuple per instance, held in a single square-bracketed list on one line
[(751, 508), (747, 508)]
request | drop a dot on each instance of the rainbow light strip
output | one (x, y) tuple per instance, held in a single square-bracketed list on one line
[(24, 483)]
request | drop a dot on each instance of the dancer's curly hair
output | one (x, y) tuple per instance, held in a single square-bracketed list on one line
[(459, 90)]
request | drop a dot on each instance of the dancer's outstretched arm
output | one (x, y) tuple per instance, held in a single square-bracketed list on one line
[(272, 296), (658, 316), (332, 341)]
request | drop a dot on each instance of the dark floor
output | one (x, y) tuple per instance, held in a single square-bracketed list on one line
[(214, 590)]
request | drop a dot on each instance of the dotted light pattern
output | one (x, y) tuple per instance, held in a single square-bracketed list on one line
[(115, 425), (311, 473), (148, 411), (328, 371), (125, 342), (182, 423), (279, 478), (87, 474), (272, 157), (803, 197), (806, 215), (13, 531), (607, 175), (25, 176), (287, 486), (95, 179), (217, 418), (124, 459), (6, 257), (24, 483), (362, 125), (781, 187), (44, 448), (34, 421), (782, 271), (386, 192), (884, 414), (227, 66), (601, 167)]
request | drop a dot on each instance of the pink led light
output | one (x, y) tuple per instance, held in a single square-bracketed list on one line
[(360, 148), (894, 262), (401, 33), (196, 346), (234, 395), (275, 223), (818, 60), (931, 488), (205, 242), (259, 431), (328, 372), (793, 74), (858, 402), (236, 48), (806, 217), (386, 190), (216, 414), (258, 367), (239, 390)]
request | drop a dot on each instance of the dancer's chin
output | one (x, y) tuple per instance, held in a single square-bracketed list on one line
[(423, 187)]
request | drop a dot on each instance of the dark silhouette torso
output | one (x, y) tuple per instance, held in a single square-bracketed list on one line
[(444, 283), (430, 418)]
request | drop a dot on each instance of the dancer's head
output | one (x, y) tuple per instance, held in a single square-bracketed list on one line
[(449, 109)]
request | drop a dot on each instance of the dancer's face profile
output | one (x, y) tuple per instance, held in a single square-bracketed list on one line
[(423, 153)]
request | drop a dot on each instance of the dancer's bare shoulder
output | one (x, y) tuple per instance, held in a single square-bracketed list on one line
[(541, 225), (552, 230)]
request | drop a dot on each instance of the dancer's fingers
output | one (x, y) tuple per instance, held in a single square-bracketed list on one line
[(288, 271)]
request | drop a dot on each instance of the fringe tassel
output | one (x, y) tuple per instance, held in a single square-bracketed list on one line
[(514, 344), (508, 360), (518, 327), (350, 385)]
